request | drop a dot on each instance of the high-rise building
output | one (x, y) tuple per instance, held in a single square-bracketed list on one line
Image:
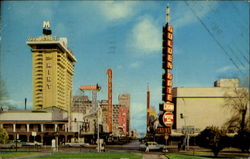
[(115, 118), (124, 100), (123, 119), (53, 69)]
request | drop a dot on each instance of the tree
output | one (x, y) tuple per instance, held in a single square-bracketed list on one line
[(238, 102), (213, 138), (3, 136)]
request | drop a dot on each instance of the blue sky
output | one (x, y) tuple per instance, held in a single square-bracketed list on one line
[(127, 37)]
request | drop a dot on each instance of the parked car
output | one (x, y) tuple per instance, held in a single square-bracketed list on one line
[(75, 144), (12, 145), (32, 143), (152, 146)]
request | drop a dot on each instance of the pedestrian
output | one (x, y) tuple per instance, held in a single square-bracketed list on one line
[(147, 148)]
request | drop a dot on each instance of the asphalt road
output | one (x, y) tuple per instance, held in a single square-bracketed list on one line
[(132, 147)]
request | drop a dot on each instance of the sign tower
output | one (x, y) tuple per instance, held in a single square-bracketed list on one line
[(166, 117)]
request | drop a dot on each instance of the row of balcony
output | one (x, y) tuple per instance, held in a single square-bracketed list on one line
[(33, 127)]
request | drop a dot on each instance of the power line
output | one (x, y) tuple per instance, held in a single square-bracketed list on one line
[(211, 34)]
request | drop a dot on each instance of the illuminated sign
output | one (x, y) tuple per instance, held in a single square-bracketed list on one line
[(167, 117), (169, 76), (46, 24), (169, 107), (169, 90), (46, 28), (162, 131)]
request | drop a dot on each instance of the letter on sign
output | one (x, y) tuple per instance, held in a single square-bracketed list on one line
[(169, 76), (169, 51), (170, 36), (46, 24), (170, 29)]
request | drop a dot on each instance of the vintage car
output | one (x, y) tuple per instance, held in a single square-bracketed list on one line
[(152, 146), (12, 145), (32, 143)]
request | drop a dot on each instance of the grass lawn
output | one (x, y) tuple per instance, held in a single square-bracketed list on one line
[(16, 154), (106, 155), (181, 156)]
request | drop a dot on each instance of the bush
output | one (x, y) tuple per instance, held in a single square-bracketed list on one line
[(213, 138), (3, 136), (242, 140)]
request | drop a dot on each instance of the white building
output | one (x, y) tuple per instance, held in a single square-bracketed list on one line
[(198, 108)]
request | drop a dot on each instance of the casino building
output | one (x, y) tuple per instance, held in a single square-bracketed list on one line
[(52, 72), (53, 69)]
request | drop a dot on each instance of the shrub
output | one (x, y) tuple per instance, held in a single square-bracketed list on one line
[(3, 136), (242, 140)]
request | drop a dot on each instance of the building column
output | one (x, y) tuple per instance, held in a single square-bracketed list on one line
[(1, 125), (41, 138), (66, 138), (15, 136), (28, 127), (14, 127), (28, 138), (41, 127), (56, 127)]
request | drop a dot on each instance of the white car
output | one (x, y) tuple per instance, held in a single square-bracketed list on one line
[(11, 145), (153, 146), (33, 143), (75, 144)]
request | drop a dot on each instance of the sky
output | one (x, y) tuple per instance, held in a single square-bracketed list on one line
[(211, 41)]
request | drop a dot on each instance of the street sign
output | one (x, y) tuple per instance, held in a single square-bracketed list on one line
[(169, 107), (168, 119)]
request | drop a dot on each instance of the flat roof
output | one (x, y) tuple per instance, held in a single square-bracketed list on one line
[(37, 41)]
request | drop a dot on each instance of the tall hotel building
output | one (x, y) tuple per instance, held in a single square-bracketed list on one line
[(124, 100), (52, 69)]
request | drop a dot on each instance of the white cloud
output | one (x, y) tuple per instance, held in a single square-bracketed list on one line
[(114, 10), (200, 8), (145, 37)]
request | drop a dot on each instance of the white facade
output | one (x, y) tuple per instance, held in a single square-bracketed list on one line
[(202, 107)]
